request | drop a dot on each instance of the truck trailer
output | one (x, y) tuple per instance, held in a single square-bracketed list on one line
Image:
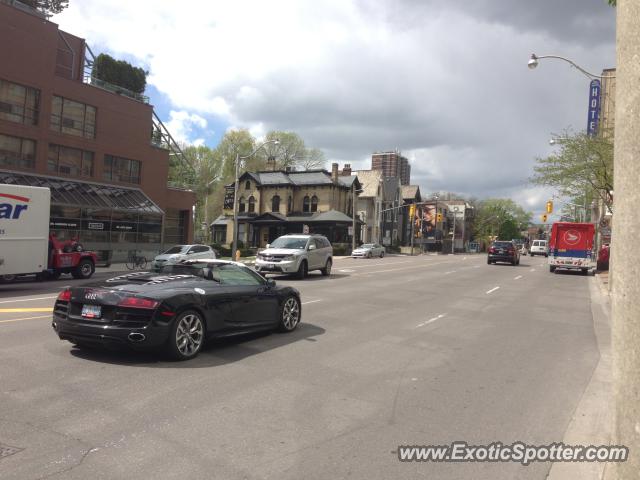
[(26, 247)]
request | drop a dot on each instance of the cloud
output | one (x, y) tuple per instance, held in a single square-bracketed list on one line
[(444, 82), (185, 126)]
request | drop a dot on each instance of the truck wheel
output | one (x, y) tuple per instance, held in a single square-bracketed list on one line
[(7, 278), (84, 269)]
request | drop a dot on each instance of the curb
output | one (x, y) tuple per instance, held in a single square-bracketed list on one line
[(591, 422)]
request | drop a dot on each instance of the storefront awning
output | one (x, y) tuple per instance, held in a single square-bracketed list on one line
[(85, 194)]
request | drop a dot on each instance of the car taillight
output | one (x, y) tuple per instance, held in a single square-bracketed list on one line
[(135, 302), (492, 250), (65, 295)]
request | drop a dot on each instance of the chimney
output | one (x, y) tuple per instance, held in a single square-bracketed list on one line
[(271, 163), (334, 172), (346, 171)]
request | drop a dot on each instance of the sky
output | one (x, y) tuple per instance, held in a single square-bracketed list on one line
[(445, 83)]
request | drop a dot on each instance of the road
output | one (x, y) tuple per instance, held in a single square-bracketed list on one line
[(394, 351)]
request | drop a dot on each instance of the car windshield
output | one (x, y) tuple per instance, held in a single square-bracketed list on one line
[(367, 245), (182, 269), (176, 249), (289, 242)]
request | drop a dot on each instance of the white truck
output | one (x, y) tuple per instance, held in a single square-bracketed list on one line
[(26, 247), (24, 229)]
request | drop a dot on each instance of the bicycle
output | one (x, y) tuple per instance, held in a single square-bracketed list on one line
[(136, 261)]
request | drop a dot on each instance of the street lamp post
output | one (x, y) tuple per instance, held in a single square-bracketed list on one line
[(234, 247), (435, 222)]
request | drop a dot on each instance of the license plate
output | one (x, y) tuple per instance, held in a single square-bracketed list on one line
[(91, 311), (269, 266)]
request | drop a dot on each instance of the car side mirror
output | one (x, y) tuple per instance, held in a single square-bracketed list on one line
[(189, 252), (312, 247), (271, 283), (268, 244)]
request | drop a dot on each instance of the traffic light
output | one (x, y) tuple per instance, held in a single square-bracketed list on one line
[(543, 217), (439, 217), (549, 206)]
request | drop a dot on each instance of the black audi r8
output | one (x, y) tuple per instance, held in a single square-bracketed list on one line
[(177, 309)]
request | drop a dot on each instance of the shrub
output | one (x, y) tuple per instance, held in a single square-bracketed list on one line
[(120, 73)]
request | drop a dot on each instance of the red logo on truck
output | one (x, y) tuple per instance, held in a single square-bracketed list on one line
[(10, 211), (572, 237)]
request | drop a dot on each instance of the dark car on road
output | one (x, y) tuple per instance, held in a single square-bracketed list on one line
[(177, 309), (503, 251)]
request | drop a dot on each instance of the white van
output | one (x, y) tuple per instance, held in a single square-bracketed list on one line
[(539, 247)]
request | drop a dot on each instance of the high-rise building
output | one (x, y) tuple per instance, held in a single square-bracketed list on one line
[(392, 164)]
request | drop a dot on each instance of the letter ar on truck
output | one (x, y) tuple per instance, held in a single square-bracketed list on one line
[(571, 246), (25, 244)]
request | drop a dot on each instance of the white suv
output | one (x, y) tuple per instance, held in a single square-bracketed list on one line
[(538, 247), (297, 254)]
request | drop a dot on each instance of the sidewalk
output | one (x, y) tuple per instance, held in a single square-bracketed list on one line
[(592, 420)]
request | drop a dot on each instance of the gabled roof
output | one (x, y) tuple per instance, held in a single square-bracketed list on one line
[(390, 187), (411, 192), (369, 179)]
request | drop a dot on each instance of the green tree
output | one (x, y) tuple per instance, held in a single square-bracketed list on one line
[(583, 166), (120, 73), (291, 151), (48, 7), (499, 217)]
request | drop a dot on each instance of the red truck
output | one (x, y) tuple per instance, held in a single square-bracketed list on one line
[(571, 246)]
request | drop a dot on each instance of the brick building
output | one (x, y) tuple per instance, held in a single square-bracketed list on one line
[(392, 164), (95, 145)]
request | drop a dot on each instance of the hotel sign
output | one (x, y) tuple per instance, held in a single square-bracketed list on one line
[(594, 107)]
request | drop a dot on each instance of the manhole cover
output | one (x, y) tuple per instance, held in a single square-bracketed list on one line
[(6, 450)]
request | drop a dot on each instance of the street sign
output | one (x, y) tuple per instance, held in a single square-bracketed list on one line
[(594, 107)]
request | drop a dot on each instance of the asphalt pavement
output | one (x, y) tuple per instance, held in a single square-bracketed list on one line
[(422, 350)]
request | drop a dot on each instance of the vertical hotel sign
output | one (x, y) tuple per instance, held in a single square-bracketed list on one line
[(594, 107)]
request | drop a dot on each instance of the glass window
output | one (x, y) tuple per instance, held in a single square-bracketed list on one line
[(230, 274), (314, 204), (70, 161), (17, 152), (18, 103), (275, 203), (241, 205), (252, 204), (119, 169), (72, 118), (247, 185), (289, 204), (305, 204)]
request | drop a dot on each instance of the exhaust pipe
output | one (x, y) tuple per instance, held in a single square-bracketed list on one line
[(136, 337)]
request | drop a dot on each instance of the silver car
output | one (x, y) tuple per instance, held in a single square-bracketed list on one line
[(177, 253), (297, 254), (369, 250)]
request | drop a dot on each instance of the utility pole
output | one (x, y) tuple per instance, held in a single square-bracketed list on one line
[(625, 285)]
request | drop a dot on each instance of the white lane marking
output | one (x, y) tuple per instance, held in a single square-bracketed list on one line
[(450, 271), (25, 318), (464, 258), (518, 277), (476, 266), (430, 320), (29, 299), (398, 269), (492, 290), (311, 301), (346, 270), (532, 270), (379, 264)]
